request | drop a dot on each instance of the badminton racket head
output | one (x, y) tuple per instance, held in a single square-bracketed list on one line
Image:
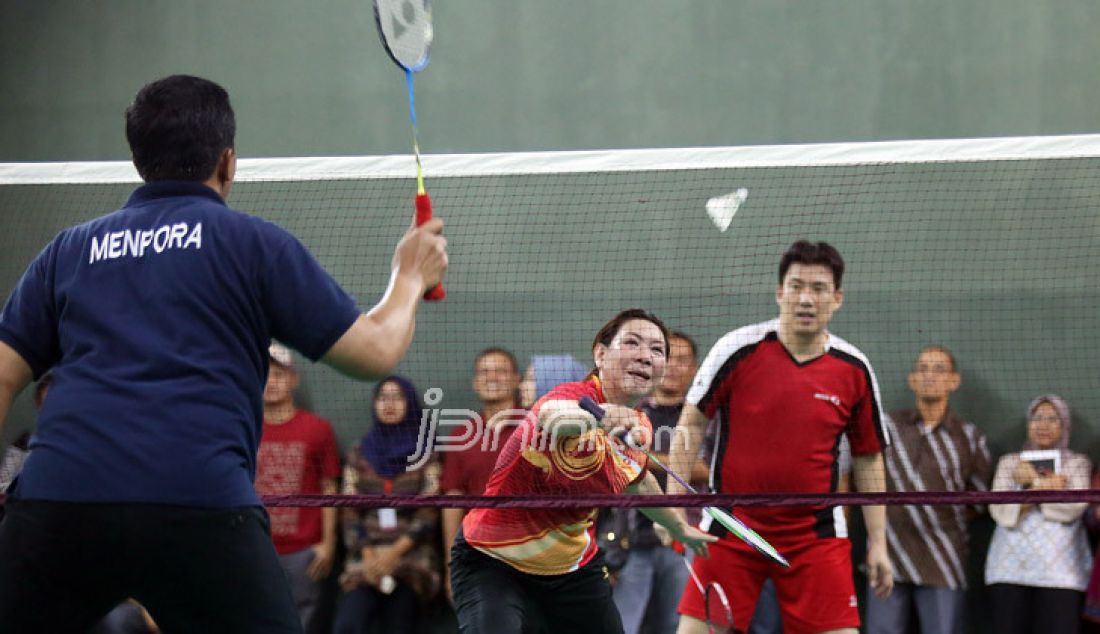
[(719, 612), (405, 27)]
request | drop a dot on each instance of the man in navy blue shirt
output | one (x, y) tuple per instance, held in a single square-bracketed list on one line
[(155, 321)]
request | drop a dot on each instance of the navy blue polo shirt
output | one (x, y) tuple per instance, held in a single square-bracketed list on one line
[(156, 320)]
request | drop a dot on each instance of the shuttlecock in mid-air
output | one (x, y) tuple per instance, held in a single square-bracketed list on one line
[(721, 209)]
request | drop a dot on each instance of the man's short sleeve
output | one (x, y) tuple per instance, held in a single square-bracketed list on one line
[(307, 309), (28, 322), (710, 388), (867, 432)]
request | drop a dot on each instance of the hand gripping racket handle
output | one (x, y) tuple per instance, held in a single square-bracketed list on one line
[(731, 523), (587, 404), (424, 214)]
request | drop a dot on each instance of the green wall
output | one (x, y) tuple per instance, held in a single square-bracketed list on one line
[(310, 78)]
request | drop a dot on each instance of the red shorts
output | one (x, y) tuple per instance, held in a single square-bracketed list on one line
[(815, 594)]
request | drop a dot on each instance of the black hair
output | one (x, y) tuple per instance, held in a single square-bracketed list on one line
[(607, 334), (178, 127), (501, 351), (676, 334), (806, 252)]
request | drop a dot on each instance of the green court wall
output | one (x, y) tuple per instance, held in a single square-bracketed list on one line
[(310, 78)]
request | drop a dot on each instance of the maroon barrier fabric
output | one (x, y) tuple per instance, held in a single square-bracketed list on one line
[(722, 500)]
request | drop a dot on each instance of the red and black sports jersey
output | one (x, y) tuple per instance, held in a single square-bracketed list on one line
[(552, 541), (780, 424)]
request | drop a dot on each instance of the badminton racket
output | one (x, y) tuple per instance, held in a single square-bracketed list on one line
[(731, 523), (718, 610), (719, 613), (405, 27)]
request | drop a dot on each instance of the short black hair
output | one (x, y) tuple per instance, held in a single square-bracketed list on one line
[(806, 252), (682, 336), (607, 334), (502, 352), (178, 127)]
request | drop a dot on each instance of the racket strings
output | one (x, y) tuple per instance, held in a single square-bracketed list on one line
[(718, 611)]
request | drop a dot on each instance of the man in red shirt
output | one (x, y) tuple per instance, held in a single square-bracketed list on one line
[(297, 456), (496, 381), (785, 392)]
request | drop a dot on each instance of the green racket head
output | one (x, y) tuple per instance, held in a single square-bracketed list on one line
[(747, 535)]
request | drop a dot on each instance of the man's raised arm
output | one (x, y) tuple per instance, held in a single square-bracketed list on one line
[(374, 345)]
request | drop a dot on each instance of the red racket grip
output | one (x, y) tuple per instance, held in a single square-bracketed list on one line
[(424, 214)]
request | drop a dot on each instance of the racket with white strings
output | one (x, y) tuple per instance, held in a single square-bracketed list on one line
[(405, 27), (719, 612), (731, 523)]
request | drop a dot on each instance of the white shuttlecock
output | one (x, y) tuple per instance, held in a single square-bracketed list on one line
[(721, 209)]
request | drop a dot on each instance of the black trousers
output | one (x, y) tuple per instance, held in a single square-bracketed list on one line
[(364, 607), (64, 565), (1027, 609), (492, 597)]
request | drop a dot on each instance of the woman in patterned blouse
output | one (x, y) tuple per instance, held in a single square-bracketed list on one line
[(1039, 561), (393, 566)]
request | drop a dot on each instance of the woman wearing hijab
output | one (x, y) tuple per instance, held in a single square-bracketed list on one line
[(392, 564), (1039, 561)]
